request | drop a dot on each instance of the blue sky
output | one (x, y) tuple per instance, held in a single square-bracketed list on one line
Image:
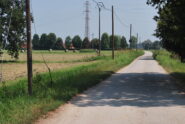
[(67, 17)]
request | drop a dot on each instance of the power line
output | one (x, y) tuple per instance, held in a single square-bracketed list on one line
[(33, 18), (119, 19), (45, 63), (101, 5), (107, 9)]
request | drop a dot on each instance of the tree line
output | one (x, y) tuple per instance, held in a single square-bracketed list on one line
[(149, 45), (170, 30), (51, 41)]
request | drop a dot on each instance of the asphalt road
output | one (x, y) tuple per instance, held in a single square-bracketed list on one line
[(141, 93)]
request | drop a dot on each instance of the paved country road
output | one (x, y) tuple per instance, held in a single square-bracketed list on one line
[(141, 93)]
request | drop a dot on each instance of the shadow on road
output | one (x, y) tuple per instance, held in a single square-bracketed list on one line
[(133, 89)]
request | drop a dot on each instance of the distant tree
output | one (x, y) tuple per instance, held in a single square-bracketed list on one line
[(36, 42), (147, 44), (43, 41), (68, 42), (124, 43), (95, 43), (111, 41), (117, 42), (59, 44), (51, 40), (86, 43), (133, 42), (157, 45), (105, 41), (77, 42)]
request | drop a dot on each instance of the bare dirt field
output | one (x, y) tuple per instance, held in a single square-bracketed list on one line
[(56, 60), (14, 71), (52, 56)]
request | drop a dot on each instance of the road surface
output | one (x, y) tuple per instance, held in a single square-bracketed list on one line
[(141, 93)]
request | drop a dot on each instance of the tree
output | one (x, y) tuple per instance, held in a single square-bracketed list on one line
[(117, 42), (77, 42), (133, 42), (59, 44), (156, 45), (36, 42), (105, 41), (86, 43), (124, 43), (170, 25), (16, 32), (147, 44), (43, 41), (95, 43), (51, 41), (68, 42), (111, 41)]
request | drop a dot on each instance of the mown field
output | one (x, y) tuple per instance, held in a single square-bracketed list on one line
[(16, 107), (13, 69), (172, 64)]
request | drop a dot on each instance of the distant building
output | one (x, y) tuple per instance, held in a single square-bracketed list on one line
[(71, 47)]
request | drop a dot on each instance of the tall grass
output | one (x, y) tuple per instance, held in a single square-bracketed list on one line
[(18, 108), (172, 64)]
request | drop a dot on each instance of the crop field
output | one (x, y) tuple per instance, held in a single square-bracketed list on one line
[(13, 69)]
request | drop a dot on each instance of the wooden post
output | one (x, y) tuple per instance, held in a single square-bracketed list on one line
[(130, 34), (137, 41), (113, 32), (29, 47), (99, 31)]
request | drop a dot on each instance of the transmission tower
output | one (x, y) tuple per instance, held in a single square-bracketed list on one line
[(87, 30)]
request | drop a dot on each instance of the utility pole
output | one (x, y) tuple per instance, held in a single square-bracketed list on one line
[(140, 42), (113, 32), (99, 31), (29, 47), (130, 34), (91, 41), (137, 41), (100, 5), (87, 31)]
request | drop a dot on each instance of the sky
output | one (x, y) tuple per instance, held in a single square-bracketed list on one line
[(67, 18)]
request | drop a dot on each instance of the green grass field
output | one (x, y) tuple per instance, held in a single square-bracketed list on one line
[(16, 107), (172, 64)]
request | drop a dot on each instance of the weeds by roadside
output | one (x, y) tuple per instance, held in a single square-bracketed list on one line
[(172, 64)]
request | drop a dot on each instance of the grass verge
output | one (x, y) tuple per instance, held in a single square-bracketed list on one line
[(172, 64), (18, 108)]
